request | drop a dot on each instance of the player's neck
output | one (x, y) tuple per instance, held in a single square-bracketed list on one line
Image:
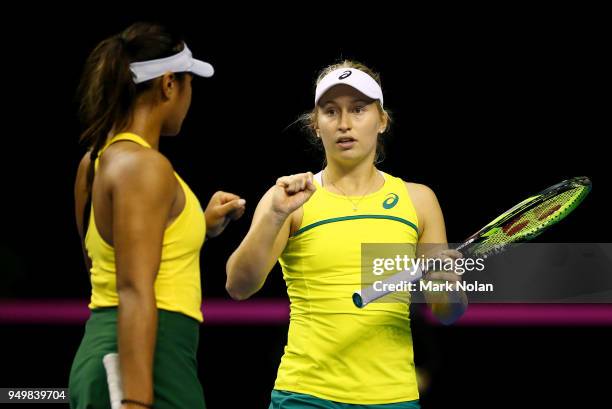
[(357, 180), (146, 123)]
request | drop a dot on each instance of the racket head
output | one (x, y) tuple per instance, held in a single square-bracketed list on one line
[(529, 218)]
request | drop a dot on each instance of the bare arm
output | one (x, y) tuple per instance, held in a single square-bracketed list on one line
[(447, 307), (250, 264), (143, 191), (80, 201)]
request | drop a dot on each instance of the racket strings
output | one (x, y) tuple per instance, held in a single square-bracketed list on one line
[(532, 221)]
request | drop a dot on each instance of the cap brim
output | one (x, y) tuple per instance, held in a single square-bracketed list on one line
[(367, 93), (354, 78), (202, 69)]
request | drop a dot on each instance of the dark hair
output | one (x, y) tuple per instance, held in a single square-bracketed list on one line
[(107, 90), (309, 119)]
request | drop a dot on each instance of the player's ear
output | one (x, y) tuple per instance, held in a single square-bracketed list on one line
[(168, 84)]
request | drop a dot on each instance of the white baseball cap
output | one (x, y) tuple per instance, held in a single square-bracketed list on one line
[(181, 62), (353, 77)]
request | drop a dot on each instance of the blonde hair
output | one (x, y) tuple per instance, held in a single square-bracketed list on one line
[(309, 119)]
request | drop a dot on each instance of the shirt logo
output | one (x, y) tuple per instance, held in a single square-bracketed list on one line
[(345, 74), (390, 201)]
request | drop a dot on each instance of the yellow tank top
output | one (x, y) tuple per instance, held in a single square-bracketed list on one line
[(177, 285), (334, 350)]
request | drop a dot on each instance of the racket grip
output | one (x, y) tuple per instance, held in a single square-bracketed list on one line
[(113, 378), (363, 297)]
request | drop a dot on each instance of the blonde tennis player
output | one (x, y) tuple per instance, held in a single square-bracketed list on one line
[(339, 356)]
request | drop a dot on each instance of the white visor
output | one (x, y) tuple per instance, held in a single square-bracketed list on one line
[(355, 78), (181, 62)]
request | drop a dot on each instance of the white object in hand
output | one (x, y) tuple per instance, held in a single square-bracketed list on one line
[(113, 377)]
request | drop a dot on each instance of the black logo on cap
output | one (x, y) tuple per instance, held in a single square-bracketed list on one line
[(345, 74)]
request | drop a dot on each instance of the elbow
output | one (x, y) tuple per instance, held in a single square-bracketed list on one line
[(135, 294), (234, 289), (133, 291), (236, 293)]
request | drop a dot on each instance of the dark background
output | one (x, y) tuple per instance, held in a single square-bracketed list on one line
[(484, 113)]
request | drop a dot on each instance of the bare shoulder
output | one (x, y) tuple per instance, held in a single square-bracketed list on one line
[(131, 165), (421, 194), (130, 162), (425, 204)]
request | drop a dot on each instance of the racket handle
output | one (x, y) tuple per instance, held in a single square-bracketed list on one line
[(113, 377), (366, 295)]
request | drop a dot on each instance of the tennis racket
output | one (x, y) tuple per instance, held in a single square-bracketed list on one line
[(523, 222)]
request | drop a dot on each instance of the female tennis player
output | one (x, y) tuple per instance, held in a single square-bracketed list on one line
[(338, 355), (141, 225)]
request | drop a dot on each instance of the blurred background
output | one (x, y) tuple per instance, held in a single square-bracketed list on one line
[(485, 114)]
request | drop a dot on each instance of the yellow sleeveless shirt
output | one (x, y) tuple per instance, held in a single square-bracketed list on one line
[(177, 285), (336, 351)]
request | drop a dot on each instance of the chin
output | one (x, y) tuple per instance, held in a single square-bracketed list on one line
[(351, 154), (349, 157)]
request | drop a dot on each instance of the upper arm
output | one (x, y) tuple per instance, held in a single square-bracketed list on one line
[(143, 189), (80, 193), (81, 196), (429, 213)]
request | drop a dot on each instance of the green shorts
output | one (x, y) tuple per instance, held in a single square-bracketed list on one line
[(292, 400), (175, 370)]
